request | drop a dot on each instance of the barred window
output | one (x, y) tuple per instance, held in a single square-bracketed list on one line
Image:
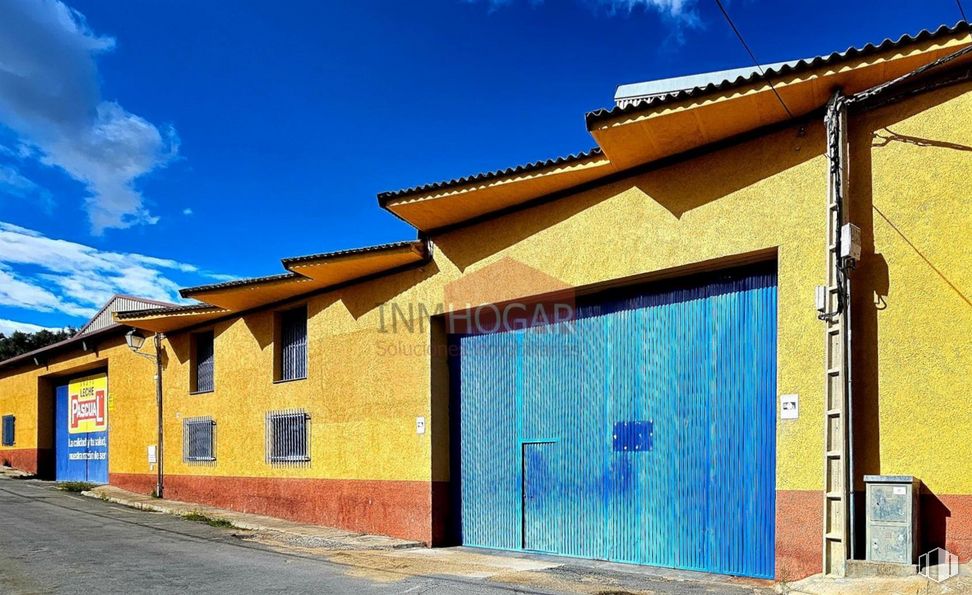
[(202, 368), (288, 436), (9, 426), (292, 354), (198, 439)]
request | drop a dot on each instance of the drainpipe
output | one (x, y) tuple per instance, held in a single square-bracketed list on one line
[(135, 340), (160, 477), (833, 302)]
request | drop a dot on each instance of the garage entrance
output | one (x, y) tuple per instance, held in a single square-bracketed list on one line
[(641, 431), (81, 429)]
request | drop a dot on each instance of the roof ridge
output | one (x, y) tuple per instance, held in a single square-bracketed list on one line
[(291, 274), (598, 115), (111, 300), (384, 197)]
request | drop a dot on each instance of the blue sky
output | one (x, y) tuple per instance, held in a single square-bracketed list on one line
[(146, 146)]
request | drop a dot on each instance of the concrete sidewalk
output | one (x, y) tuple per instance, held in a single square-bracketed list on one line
[(389, 560), (386, 560), (290, 532), (12, 473)]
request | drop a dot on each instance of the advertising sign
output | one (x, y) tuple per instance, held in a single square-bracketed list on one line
[(81, 433), (88, 404)]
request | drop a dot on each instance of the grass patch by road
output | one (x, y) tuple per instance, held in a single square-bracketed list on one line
[(211, 521), (75, 486)]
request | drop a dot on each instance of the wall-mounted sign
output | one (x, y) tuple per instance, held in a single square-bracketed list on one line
[(419, 425), (88, 404), (152, 457), (789, 406)]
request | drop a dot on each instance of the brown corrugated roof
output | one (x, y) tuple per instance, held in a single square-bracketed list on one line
[(288, 262), (174, 309), (384, 197), (190, 291), (649, 103), (121, 296), (54, 347), (295, 260), (596, 116)]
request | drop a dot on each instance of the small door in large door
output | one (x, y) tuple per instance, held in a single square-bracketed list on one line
[(541, 519)]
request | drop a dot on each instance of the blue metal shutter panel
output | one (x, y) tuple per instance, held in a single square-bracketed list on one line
[(205, 360), (9, 430), (491, 480), (696, 365), (294, 344), (198, 439)]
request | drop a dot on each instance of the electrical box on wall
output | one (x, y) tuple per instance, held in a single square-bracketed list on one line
[(892, 518), (850, 242), (820, 298)]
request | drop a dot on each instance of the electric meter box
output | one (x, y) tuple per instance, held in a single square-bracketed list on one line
[(892, 518), (850, 242)]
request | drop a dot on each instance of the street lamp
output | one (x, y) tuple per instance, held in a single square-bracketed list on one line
[(135, 340)]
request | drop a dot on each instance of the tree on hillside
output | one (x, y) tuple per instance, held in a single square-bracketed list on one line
[(19, 342)]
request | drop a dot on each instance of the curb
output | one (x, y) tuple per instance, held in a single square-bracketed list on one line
[(245, 525)]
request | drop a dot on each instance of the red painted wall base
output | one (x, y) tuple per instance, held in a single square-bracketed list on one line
[(419, 510), (397, 508), (32, 460), (799, 534)]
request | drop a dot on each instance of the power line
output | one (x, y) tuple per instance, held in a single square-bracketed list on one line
[(751, 55), (961, 11)]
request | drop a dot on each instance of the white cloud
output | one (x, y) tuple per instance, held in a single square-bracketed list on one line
[(8, 327), (13, 183), (675, 9), (187, 211), (44, 274), (680, 12), (51, 98)]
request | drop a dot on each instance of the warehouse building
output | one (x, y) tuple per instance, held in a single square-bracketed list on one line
[(621, 354), (55, 401)]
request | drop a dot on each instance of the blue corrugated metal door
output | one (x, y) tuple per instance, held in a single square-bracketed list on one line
[(79, 456), (641, 431)]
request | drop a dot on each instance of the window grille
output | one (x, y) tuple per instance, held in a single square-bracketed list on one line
[(204, 362), (293, 344), (198, 439), (9, 426), (288, 436)]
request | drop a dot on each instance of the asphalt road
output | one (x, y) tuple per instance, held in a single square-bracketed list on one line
[(52, 541), (55, 542)]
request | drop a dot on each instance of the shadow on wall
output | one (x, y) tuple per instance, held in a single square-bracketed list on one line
[(365, 297), (933, 516), (46, 422), (872, 294), (679, 184), (694, 183)]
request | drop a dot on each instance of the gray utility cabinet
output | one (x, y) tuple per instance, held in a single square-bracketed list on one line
[(892, 518)]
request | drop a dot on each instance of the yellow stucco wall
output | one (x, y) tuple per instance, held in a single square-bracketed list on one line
[(365, 387), (362, 407), (131, 397), (911, 171), (767, 193)]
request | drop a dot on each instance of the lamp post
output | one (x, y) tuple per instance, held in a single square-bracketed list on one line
[(135, 340)]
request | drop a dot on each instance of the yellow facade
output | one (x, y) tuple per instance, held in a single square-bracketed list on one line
[(911, 168), (365, 387), (27, 391), (372, 376)]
